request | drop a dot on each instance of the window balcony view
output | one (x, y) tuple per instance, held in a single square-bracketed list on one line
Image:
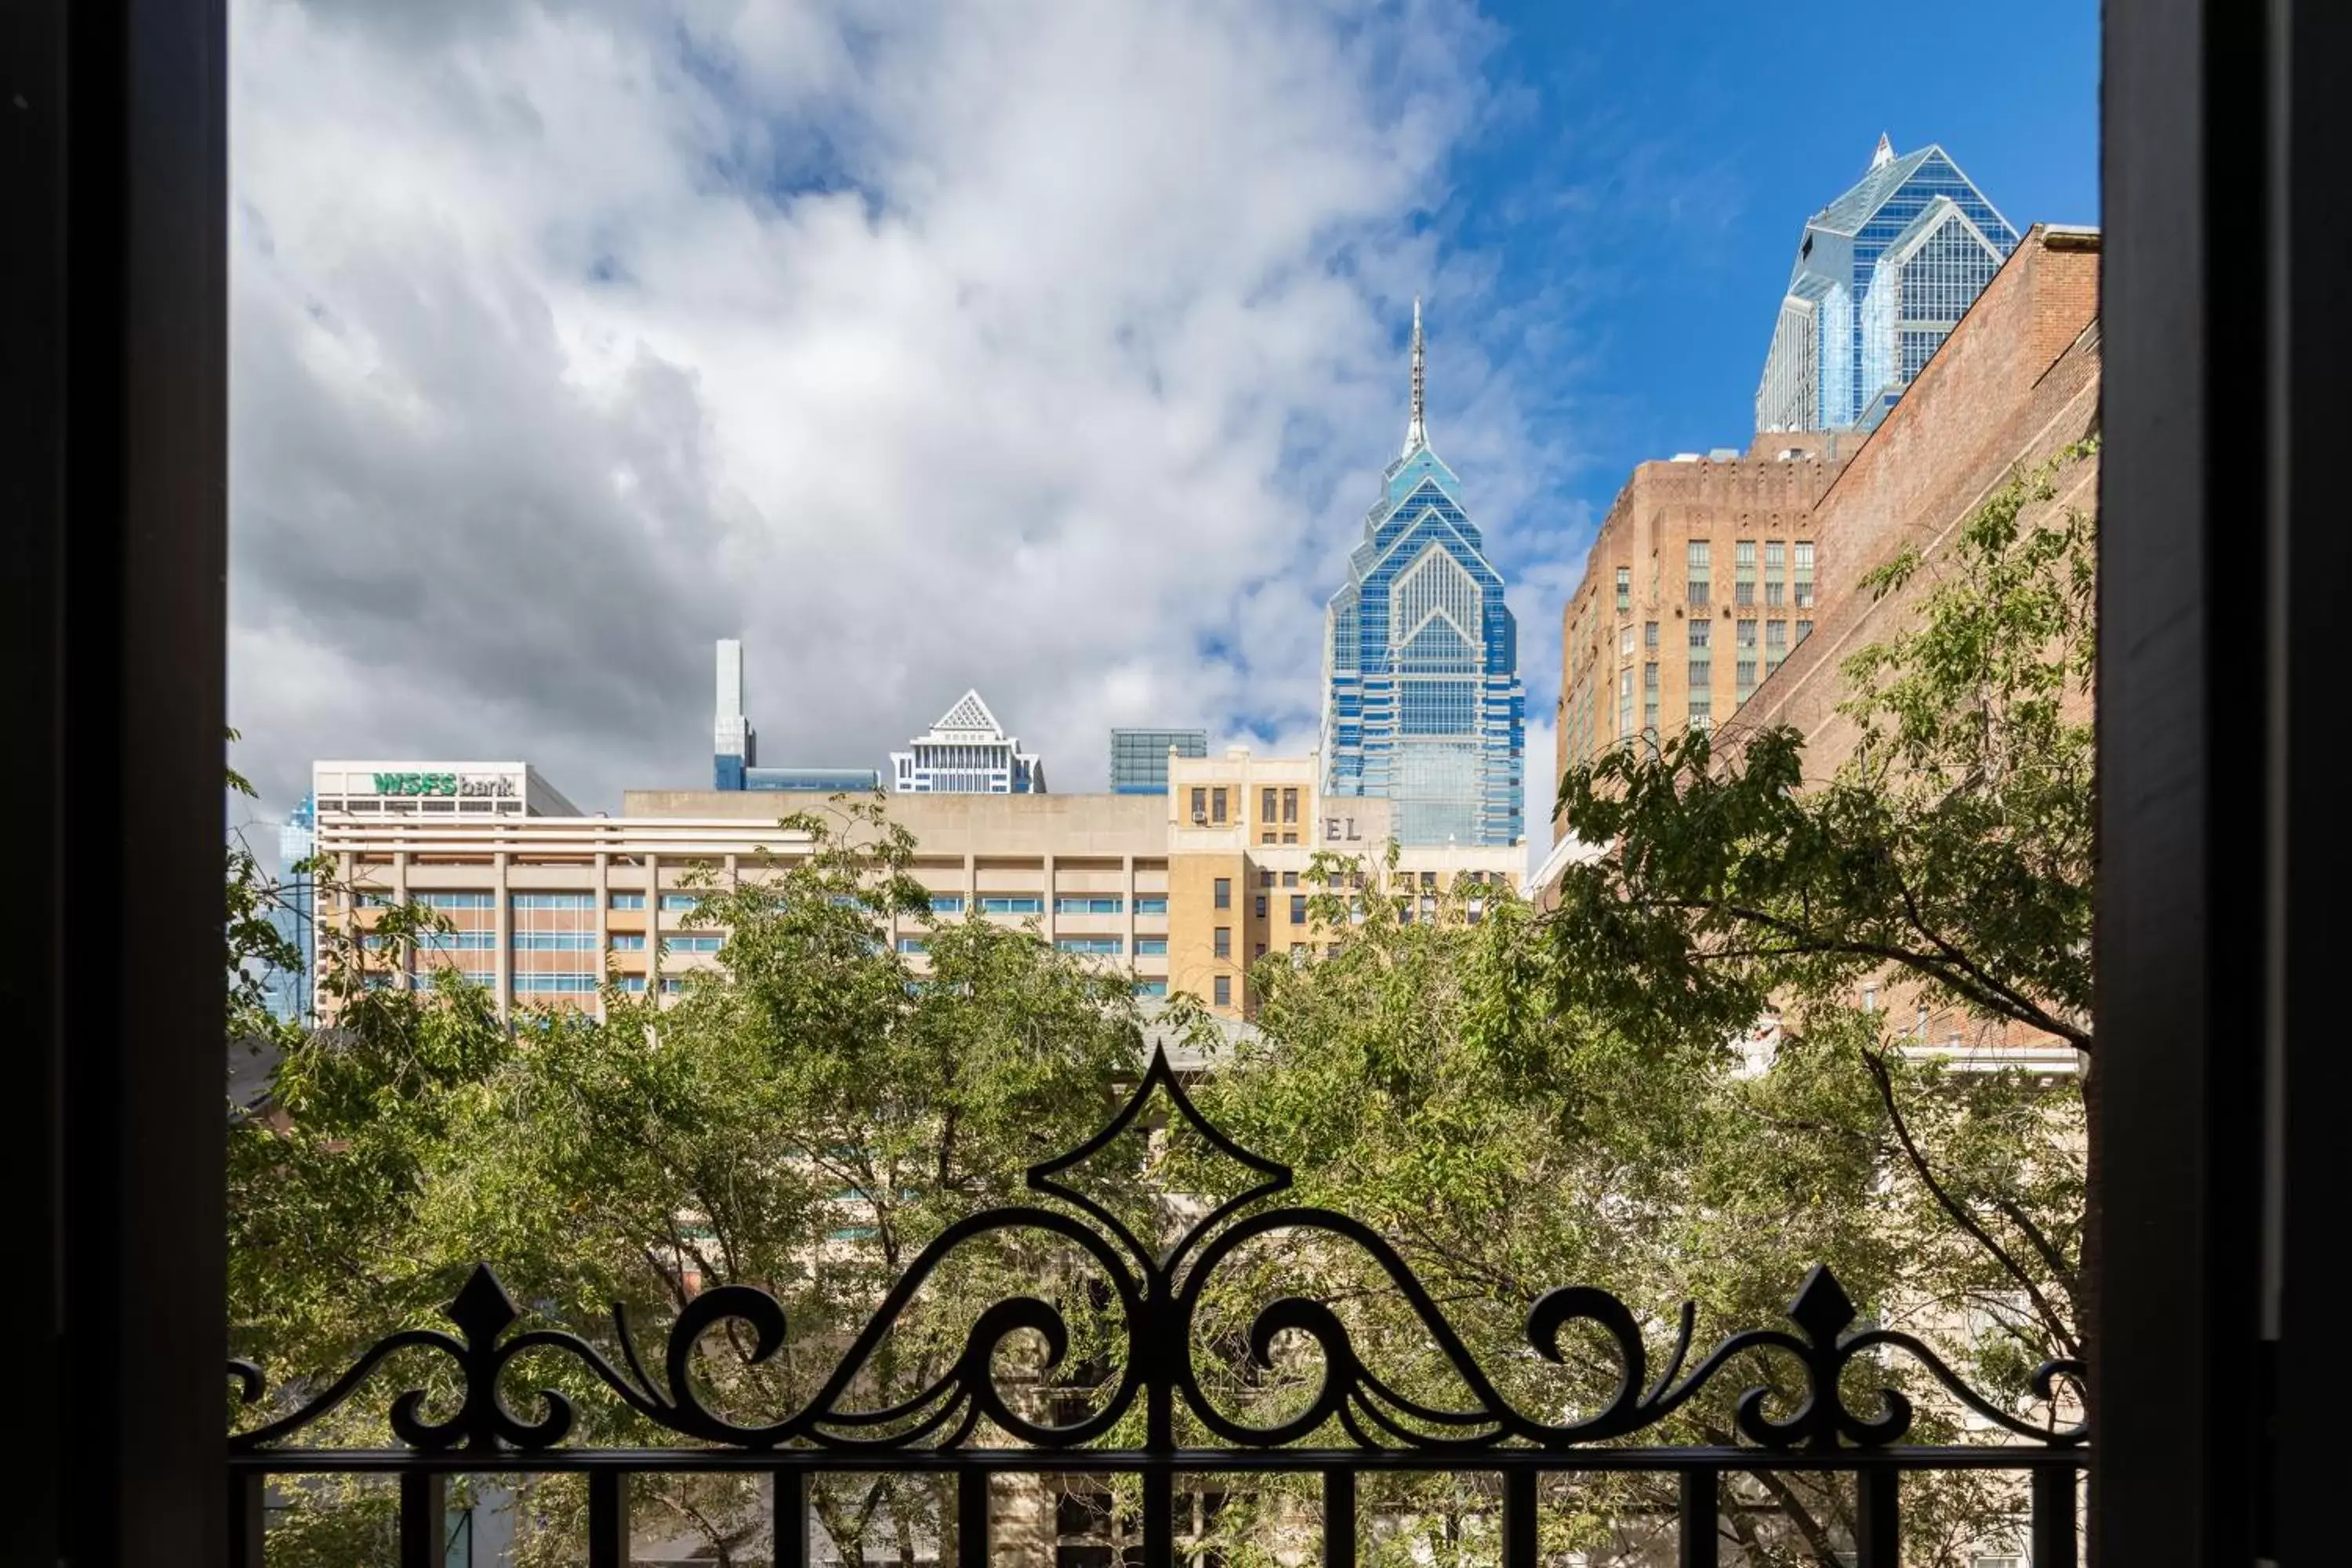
[(1077, 785)]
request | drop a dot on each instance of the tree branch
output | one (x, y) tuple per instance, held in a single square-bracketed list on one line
[(1959, 1211)]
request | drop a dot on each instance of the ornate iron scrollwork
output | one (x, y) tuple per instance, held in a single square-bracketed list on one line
[(1159, 1294)]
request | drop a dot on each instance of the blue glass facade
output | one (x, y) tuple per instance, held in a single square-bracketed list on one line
[(1423, 702), (1139, 758), (1882, 276), (291, 994)]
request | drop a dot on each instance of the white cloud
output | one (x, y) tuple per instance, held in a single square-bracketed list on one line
[(1050, 349)]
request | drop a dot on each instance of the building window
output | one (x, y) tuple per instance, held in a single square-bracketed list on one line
[(1221, 944), (1151, 988), (1084, 904), (1626, 701), (1743, 571), (1260, 950), (1290, 806), (694, 943), (1266, 812), (1696, 569), (1804, 630), (1650, 700), (1290, 839), (1625, 588), (1151, 947), (1776, 644), (633, 984), (1804, 573), (1265, 878), (1702, 668), (565, 982), (1702, 707), (1199, 804), (1216, 806), (913, 944), (1266, 837), (1650, 636), (1220, 991), (1776, 566), (628, 901), (1290, 879), (1259, 910), (1099, 946), (629, 942), (678, 901), (946, 903), (1298, 908), (1626, 641), (1744, 657), (1012, 904), (554, 901), (1151, 904), (1223, 894)]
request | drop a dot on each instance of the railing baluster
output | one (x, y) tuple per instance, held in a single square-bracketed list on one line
[(1698, 1544), (1338, 1519), (1159, 1517), (248, 1515), (1519, 1519), (971, 1519), (1878, 1517), (608, 1519), (424, 1520), (2054, 1516), (792, 1519)]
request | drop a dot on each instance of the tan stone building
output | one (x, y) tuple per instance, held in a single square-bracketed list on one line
[(1243, 835)]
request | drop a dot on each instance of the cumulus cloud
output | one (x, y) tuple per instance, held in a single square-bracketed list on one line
[(1051, 349)]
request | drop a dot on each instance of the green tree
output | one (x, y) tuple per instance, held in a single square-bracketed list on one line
[(806, 1119)]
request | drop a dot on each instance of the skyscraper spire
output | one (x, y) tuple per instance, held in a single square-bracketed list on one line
[(1415, 433)]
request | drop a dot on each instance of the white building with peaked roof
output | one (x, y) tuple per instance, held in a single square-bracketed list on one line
[(967, 751)]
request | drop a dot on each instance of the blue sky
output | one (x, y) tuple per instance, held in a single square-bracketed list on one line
[(1654, 163), (1050, 348)]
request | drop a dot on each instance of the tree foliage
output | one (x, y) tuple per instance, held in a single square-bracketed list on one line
[(1662, 1087)]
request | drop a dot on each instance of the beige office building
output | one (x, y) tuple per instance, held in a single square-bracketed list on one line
[(1181, 892)]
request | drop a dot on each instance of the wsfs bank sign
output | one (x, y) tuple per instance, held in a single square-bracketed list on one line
[(493, 784)]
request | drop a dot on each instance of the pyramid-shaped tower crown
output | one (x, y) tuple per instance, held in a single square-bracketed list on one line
[(970, 713)]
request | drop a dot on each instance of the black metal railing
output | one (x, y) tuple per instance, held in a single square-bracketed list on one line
[(1158, 1292)]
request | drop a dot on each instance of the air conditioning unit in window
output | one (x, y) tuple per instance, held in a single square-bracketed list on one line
[(1200, 820)]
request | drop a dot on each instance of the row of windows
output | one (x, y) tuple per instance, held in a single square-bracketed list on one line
[(1081, 904), (1275, 803), (1005, 904), (1698, 582), (1101, 945)]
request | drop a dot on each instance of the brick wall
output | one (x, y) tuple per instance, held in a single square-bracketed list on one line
[(2015, 382)]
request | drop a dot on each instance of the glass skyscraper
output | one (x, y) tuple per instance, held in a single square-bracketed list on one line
[(1423, 703), (1139, 758), (1882, 274)]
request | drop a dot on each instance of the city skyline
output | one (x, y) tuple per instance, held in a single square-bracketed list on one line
[(582, 378)]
